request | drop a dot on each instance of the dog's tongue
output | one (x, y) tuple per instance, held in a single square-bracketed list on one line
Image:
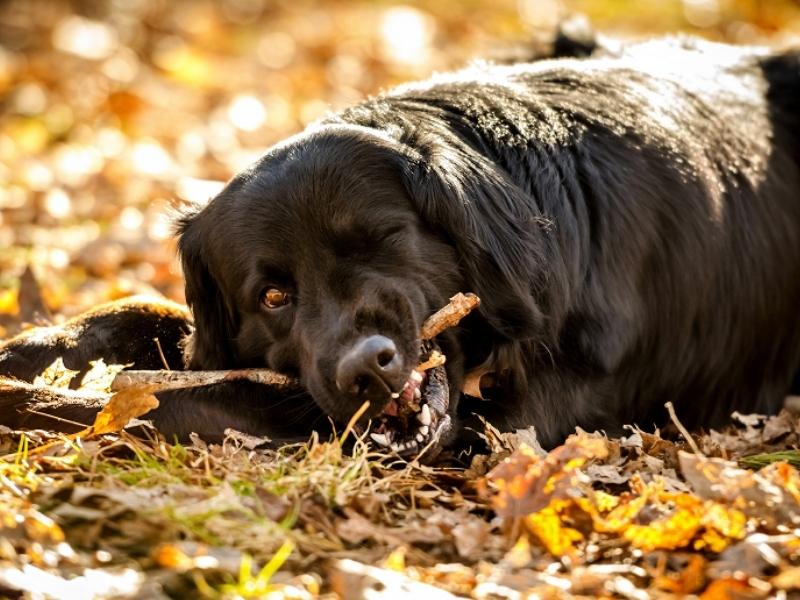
[(392, 409)]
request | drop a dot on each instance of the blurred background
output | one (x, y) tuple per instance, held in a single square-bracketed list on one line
[(113, 111)]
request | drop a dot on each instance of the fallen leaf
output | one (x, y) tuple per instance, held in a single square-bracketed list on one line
[(525, 482), (472, 381), (731, 589), (57, 375), (100, 376), (123, 406)]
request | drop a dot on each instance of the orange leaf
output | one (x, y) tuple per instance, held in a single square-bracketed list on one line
[(123, 406), (730, 589), (526, 483)]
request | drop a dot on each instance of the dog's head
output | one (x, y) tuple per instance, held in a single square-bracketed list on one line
[(325, 257)]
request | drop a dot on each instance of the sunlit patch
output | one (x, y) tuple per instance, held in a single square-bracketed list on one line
[(75, 163), (123, 66), (30, 99), (57, 203), (183, 62), (406, 34), (150, 158), (160, 226), (89, 39), (37, 176), (131, 218), (247, 112), (702, 13), (110, 142), (12, 196), (59, 258), (276, 50), (197, 191), (191, 146)]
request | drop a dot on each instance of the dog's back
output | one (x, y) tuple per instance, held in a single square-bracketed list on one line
[(670, 174)]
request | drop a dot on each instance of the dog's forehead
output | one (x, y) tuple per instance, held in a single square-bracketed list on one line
[(330, 185), (309, 200)]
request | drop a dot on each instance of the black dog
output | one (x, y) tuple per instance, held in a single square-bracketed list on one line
[(631, 223)]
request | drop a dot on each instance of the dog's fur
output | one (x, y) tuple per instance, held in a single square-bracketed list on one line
[(631, 223)]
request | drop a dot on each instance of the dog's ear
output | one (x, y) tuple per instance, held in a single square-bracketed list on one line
[(506, 251), (210, 345)]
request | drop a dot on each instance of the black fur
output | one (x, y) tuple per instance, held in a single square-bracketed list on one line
[(631, 223), (143, 333)]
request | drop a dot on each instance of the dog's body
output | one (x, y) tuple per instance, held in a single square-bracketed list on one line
[(631, 223)]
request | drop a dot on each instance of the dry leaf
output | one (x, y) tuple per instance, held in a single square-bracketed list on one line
[(100, 376), (122, 407), (526, 483), (56, 375), (472, 381)]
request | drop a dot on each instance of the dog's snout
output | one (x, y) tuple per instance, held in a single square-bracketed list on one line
[(369, 368)]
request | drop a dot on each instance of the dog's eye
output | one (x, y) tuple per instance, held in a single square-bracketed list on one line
[(274, 298)]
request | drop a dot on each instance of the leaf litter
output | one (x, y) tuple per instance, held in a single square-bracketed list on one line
[(109, 513)]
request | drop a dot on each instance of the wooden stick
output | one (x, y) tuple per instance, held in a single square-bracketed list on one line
[(169, 380), (460, 306)]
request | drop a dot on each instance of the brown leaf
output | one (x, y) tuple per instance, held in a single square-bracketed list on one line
[(470, 537), (526, 483), (472, 382), (122, 407), (688, 580)]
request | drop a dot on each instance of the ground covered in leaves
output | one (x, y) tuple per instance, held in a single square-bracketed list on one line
[(113, 113), (104, 513)]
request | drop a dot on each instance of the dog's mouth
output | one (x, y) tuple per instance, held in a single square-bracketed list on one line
[(416, 416)]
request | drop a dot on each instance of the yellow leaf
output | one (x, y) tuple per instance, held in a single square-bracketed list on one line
[(396, 561), (675, 531), (100, 377), (56, 375), (548, 526)]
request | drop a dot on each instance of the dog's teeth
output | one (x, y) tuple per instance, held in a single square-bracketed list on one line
[(420, 437), (380, 438), (417, 394), (416, 376), (424, 430), (397, 447), (395, 395), (424, 415)]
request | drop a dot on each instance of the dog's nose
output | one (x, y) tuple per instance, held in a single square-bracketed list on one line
[(369, 368)]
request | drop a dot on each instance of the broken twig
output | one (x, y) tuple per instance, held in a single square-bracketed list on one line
[(459, 307)]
